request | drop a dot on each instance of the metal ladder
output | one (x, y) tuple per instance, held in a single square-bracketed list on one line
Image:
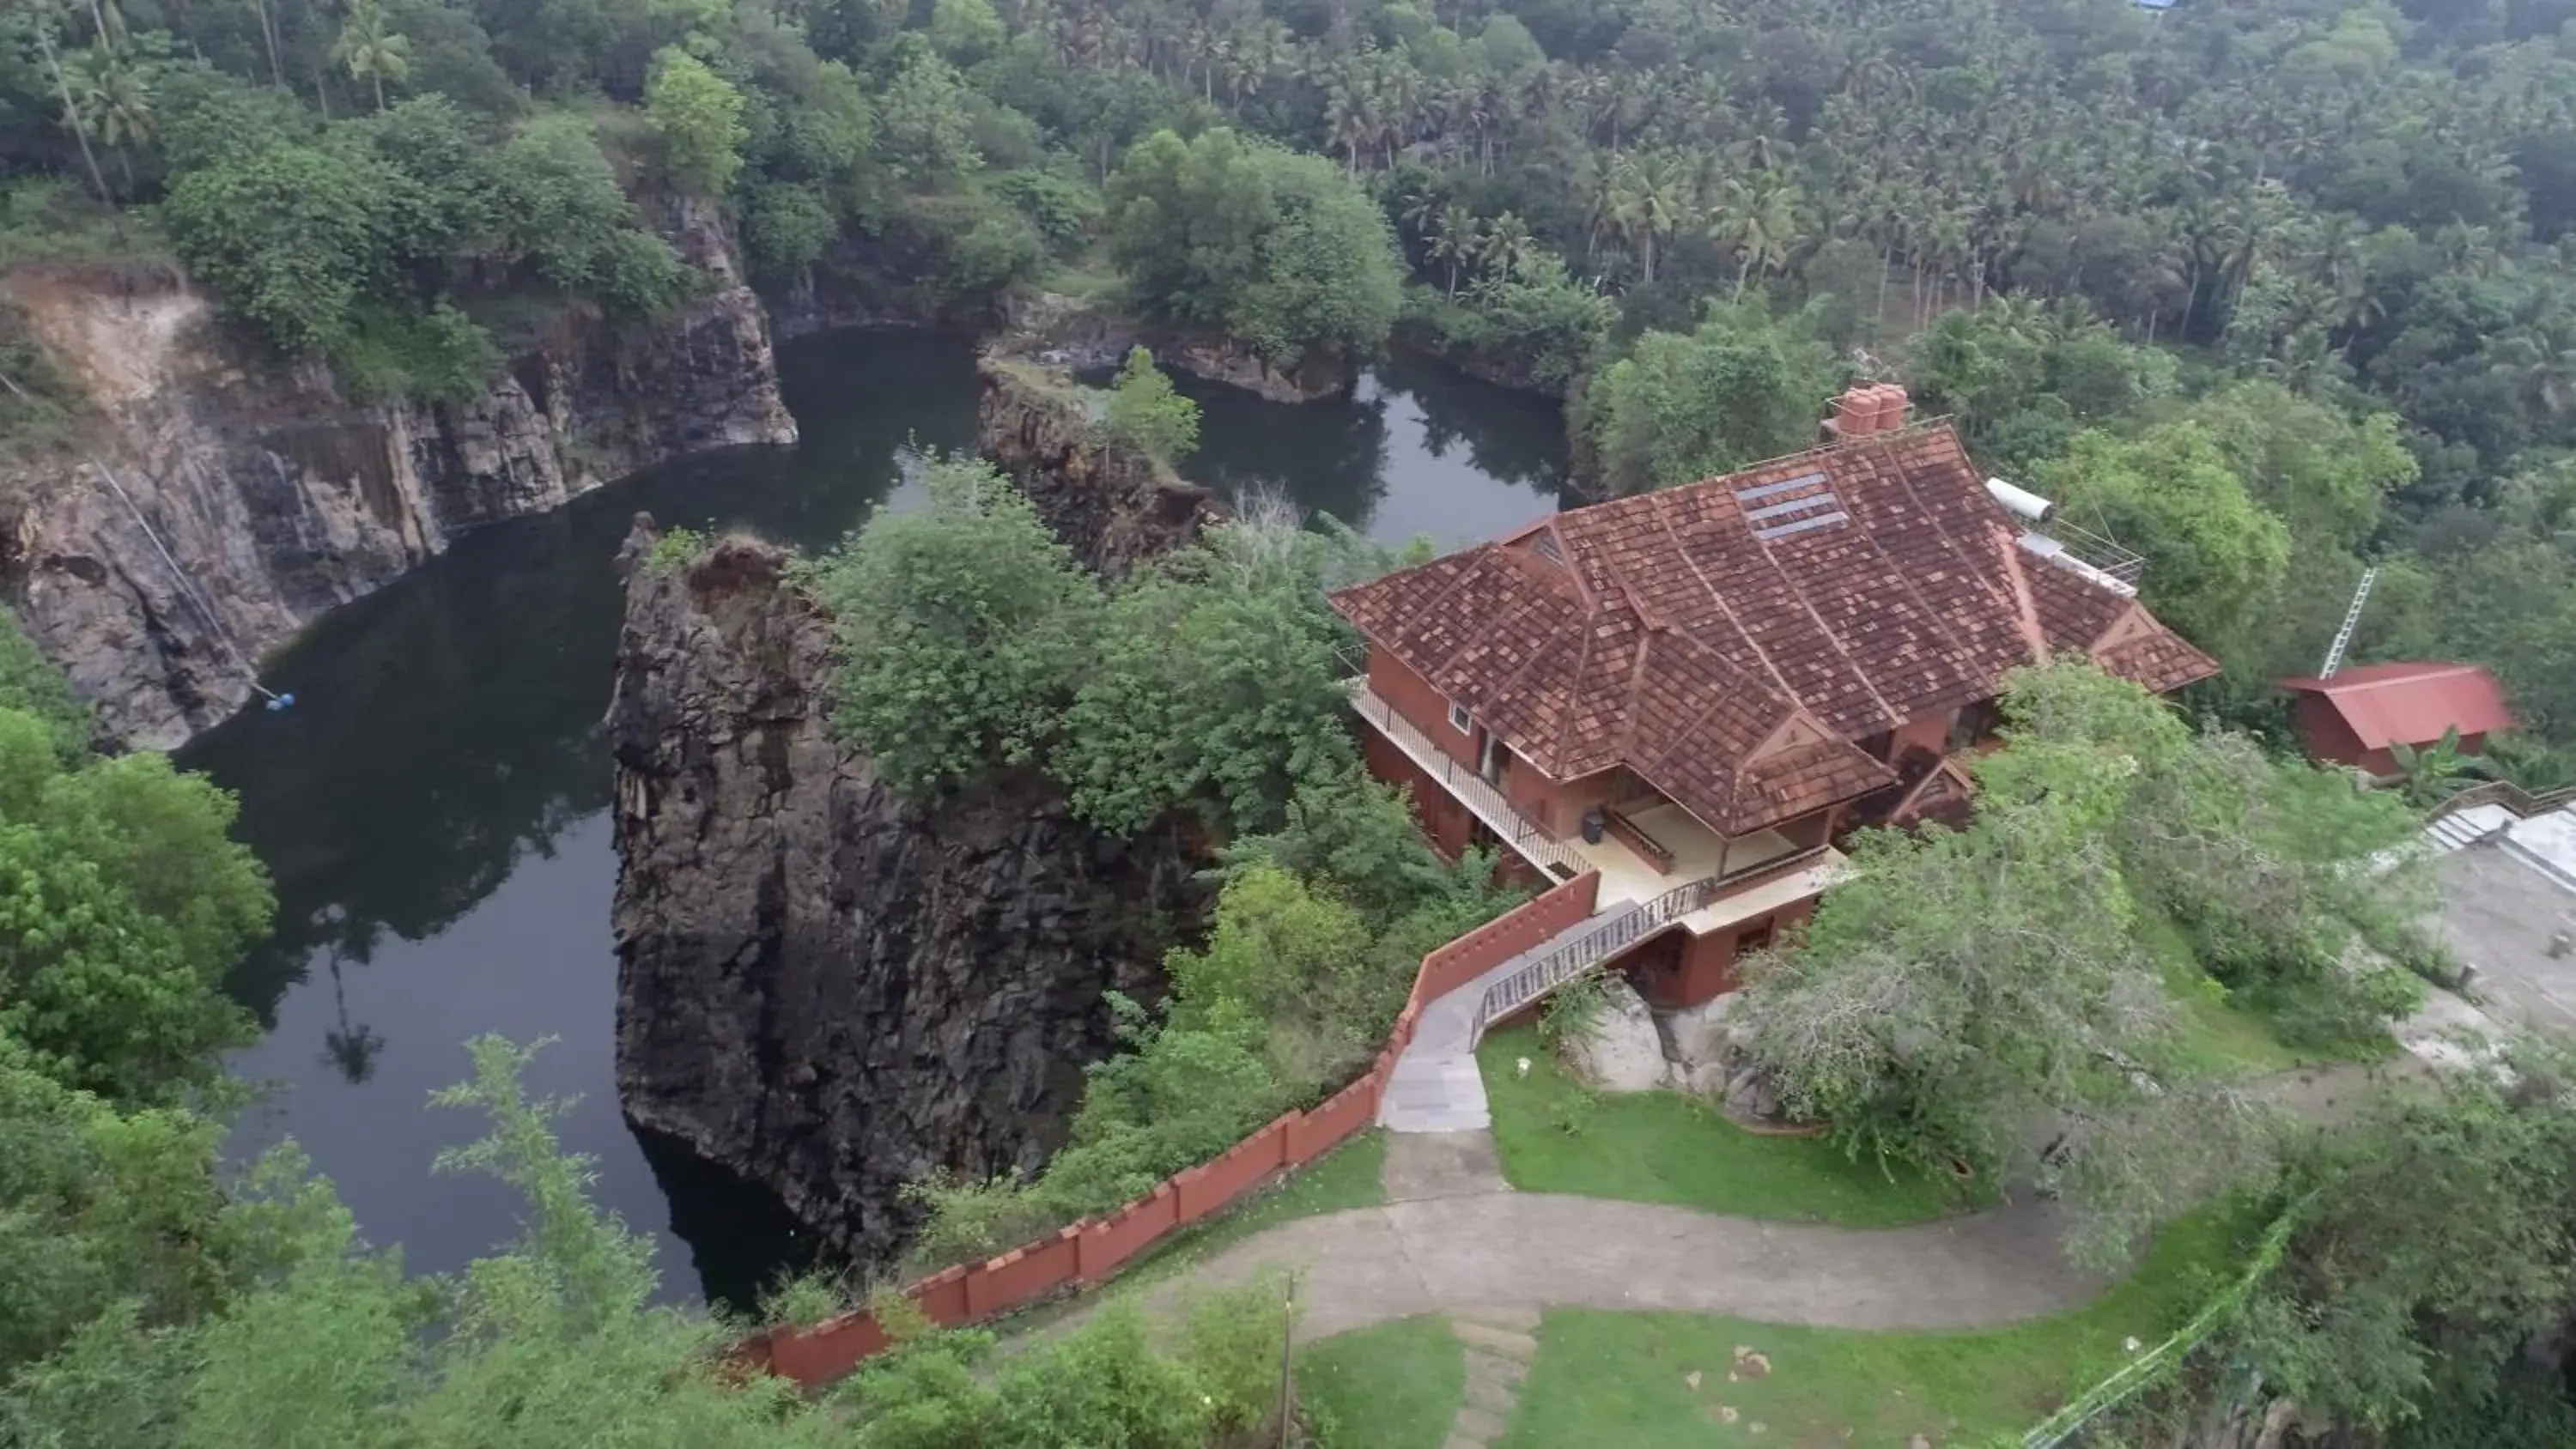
[(2351, 618)]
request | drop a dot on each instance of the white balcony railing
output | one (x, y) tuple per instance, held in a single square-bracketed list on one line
[(1471, 789)]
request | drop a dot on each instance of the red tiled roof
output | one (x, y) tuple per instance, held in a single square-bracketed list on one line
[(1728, 640), (2411, 704)]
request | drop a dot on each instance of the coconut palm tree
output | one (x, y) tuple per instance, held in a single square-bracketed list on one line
[(369, 47), (1507, 248), (1453, 240), (115, 97), (1650, 198), (1763, 221), (74, 119)]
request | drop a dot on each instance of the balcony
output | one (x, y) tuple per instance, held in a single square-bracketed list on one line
[(1651, 852), (1481, 799)]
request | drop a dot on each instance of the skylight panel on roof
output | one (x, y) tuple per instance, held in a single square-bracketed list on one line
[(1775, 520), (1801, 525), (1765, 490), (1794, 505)]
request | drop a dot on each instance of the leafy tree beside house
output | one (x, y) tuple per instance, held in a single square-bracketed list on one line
[(1968, 996), (1678, 407)]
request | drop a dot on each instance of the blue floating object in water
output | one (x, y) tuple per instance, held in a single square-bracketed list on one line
[(278, 702)]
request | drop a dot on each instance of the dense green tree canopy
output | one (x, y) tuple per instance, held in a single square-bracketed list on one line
[(1685, 406), (698, 115), (955, 620), (2216, 558), (1973, 996), (1255, 242)]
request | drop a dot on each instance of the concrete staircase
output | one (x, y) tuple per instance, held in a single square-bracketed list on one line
[(2466, 827)]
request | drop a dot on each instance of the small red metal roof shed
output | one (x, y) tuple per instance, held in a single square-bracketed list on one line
[(2410, 704)]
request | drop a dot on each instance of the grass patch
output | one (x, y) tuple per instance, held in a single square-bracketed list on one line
[(1621, 1378), (1394, 1386), (1556, 1136)]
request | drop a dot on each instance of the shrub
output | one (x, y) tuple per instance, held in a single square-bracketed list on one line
[(1146, 414), (674, 550)]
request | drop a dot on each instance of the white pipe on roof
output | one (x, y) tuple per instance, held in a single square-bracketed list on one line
[(2021, 501)]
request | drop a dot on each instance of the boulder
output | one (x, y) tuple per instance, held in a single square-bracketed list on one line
[(1699, 1034), (1619, 1050)]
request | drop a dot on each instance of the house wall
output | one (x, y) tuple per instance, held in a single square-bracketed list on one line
[(2331, 740), (1553, 806), (1810, 829), (1412, 696), (1677, 969), (1924, 731), (1445, 822)]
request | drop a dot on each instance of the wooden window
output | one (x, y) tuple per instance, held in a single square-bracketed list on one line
[(1756, 937), (1460, 720)]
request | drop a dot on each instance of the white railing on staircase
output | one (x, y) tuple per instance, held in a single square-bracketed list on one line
[(1614, 934), (1472, 789)]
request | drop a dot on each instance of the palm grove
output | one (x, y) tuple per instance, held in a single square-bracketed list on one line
[(2270, 292)]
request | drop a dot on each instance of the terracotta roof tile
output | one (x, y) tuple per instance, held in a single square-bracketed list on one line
[(1853, 588)]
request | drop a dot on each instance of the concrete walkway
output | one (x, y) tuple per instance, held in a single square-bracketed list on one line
[(1458, 1246), (1435, 1086)]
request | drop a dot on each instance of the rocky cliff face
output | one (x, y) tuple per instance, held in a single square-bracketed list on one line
[(1111, 506), (1236, 364), (277, 498), (822, 986)]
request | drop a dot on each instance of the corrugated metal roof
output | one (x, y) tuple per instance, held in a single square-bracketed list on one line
[(2411, 703)]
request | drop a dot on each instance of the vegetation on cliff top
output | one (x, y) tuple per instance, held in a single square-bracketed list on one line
[(1201, 688)]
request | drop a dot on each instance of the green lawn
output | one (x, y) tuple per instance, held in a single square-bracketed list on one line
[(1667, 1148), (1395, 1386), (1622, 1378)]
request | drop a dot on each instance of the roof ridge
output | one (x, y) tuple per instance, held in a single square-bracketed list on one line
[(1582, 662), (1481, 553), (2025, 607)]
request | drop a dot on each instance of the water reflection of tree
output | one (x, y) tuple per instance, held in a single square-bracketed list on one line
[(1512, 436), (349, 1050), (1329, 457)]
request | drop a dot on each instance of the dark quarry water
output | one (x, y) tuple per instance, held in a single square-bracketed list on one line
[(435, 806)]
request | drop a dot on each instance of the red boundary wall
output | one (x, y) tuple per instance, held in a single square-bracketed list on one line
[(1089, 1251)]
